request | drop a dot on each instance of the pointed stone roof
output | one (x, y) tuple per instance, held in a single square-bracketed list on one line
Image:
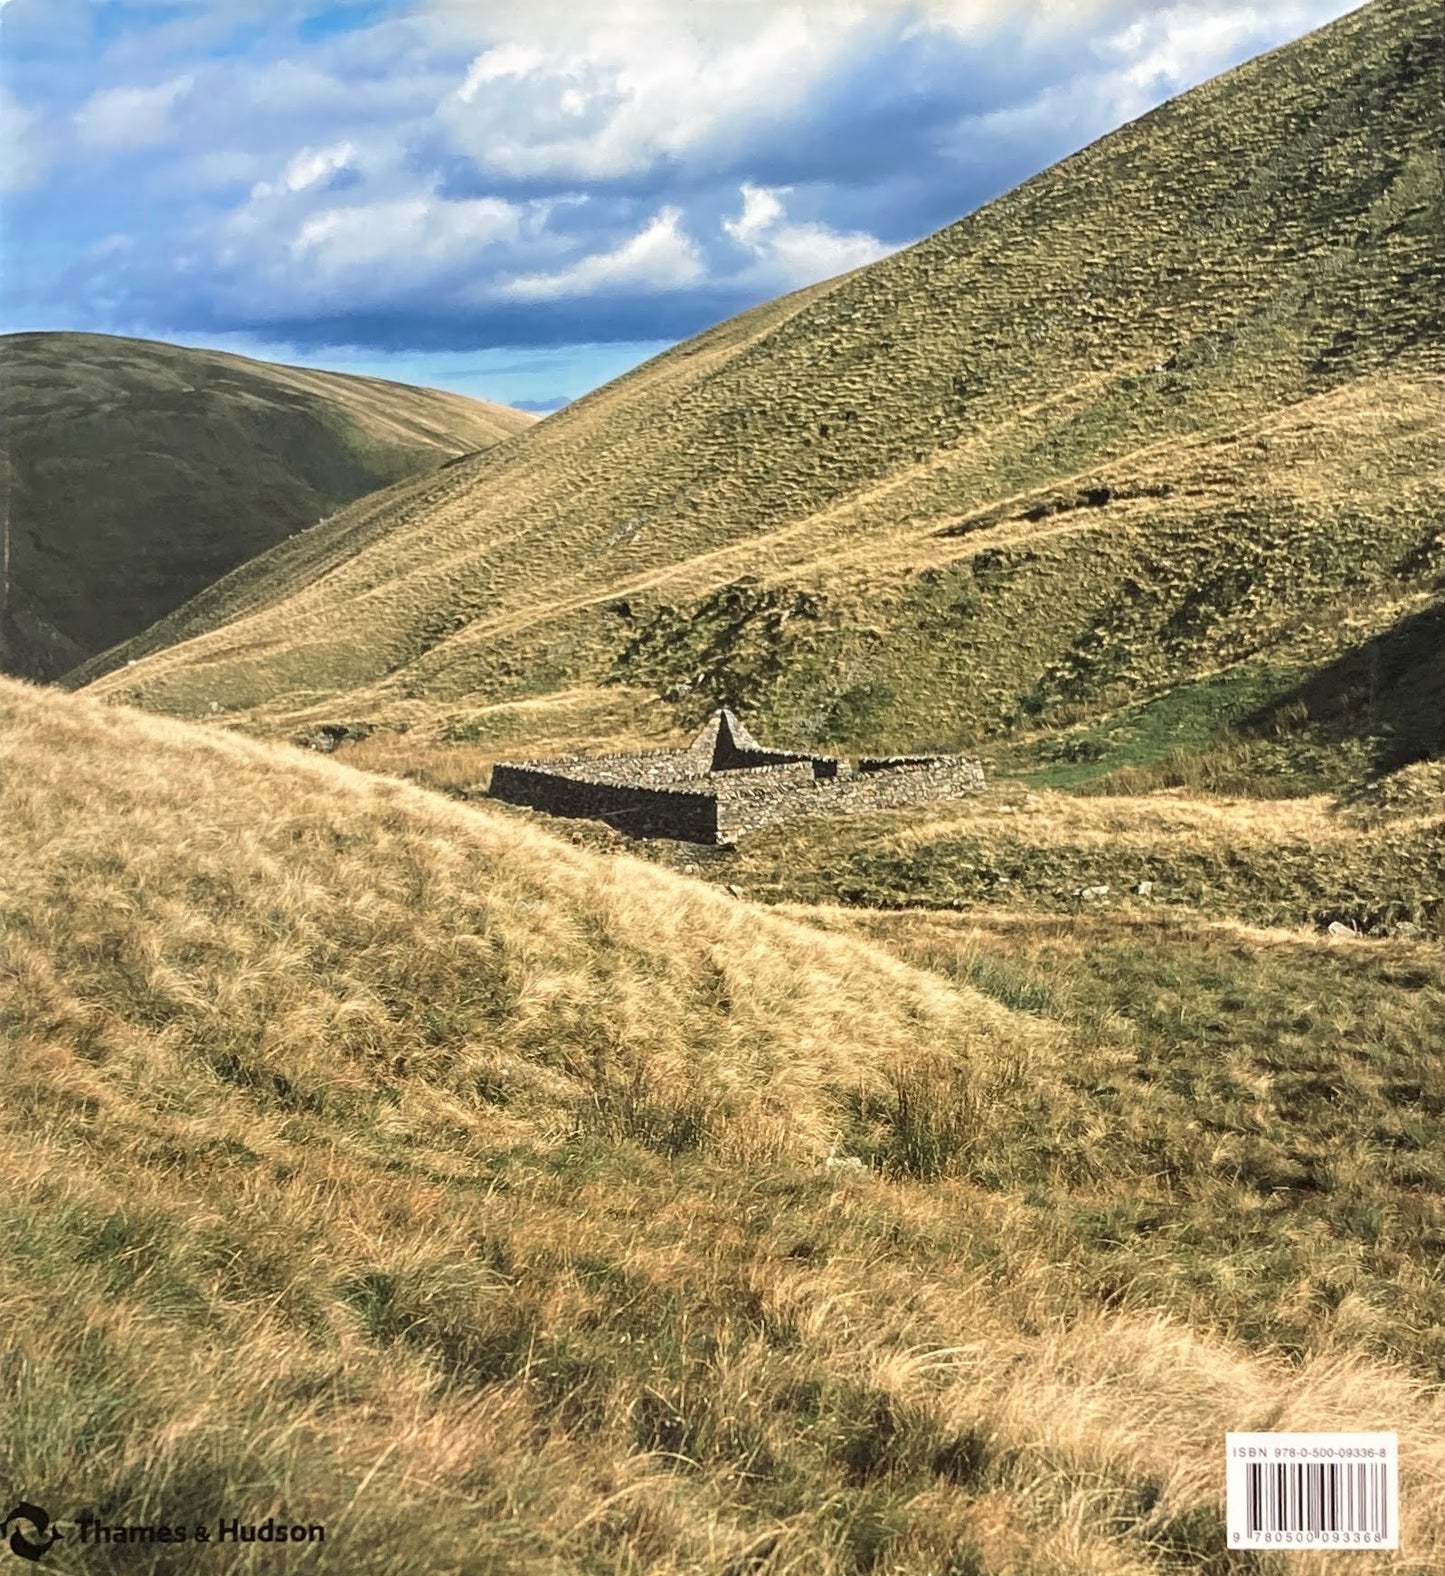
[(722, 740)]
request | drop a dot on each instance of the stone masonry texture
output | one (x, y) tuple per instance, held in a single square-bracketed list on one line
[(726, 784)]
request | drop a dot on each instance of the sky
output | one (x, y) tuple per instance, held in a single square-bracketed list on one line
[(521, 199)]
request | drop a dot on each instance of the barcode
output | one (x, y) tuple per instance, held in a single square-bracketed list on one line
[(1316, 1496), (1312, 1491)]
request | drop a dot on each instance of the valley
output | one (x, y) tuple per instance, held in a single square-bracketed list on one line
[(918, 1191)]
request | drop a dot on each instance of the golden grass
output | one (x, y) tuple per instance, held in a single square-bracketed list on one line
[(377, 1161), (557, 947), (453, 749)]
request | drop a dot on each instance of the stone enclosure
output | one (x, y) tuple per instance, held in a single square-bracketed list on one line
[(725, 784)]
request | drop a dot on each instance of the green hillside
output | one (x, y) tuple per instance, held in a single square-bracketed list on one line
[(136, 473), (919, 1193), (1168, 410)]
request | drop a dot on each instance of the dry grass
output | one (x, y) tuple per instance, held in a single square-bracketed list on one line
[(380, 1162), (1288, 1085), (1297, 862), (452, 750), (257, 957), (516, 1205)]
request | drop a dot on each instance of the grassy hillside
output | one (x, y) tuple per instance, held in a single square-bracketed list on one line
[(1294, 862), (382, 1163), (136, 473), (1167, 411)]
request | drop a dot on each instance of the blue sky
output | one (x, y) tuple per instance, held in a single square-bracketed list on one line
[(520, 199)]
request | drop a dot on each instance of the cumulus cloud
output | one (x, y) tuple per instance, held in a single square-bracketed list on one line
[(415, 228), (1171, 48), (495, 65), (788, 255), (1034, 19), (762, 209), (662, 256), (636, 83), (275, 259), (1147, 55)]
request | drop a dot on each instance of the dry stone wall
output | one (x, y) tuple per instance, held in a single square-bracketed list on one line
[(751, 807), (641, 812), (731, 787)]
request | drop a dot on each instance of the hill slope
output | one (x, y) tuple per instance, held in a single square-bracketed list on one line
[(1163, 407), (377, 1163), (136, 473)]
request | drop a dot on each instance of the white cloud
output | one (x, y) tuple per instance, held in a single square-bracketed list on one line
[(507, 60), (615, 90), (1031, 19), (121, 120), (801, 254), (660, 257), (790, 255), (419, 232), (315, 164), (1172, 48), (762, 208), (382, 172), (24, 160), (276, 252), (308, 167)]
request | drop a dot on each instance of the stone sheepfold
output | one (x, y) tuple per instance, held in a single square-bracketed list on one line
[(726, 784)]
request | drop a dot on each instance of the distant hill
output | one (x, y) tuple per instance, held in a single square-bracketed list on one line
[(136, 473), (1168, 411)]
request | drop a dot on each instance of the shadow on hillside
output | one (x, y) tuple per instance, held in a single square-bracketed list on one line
[(1388, 690), (31, 646)]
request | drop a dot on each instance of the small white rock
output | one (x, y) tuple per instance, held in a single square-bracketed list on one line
[(1145, 888), (1337, 929)]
